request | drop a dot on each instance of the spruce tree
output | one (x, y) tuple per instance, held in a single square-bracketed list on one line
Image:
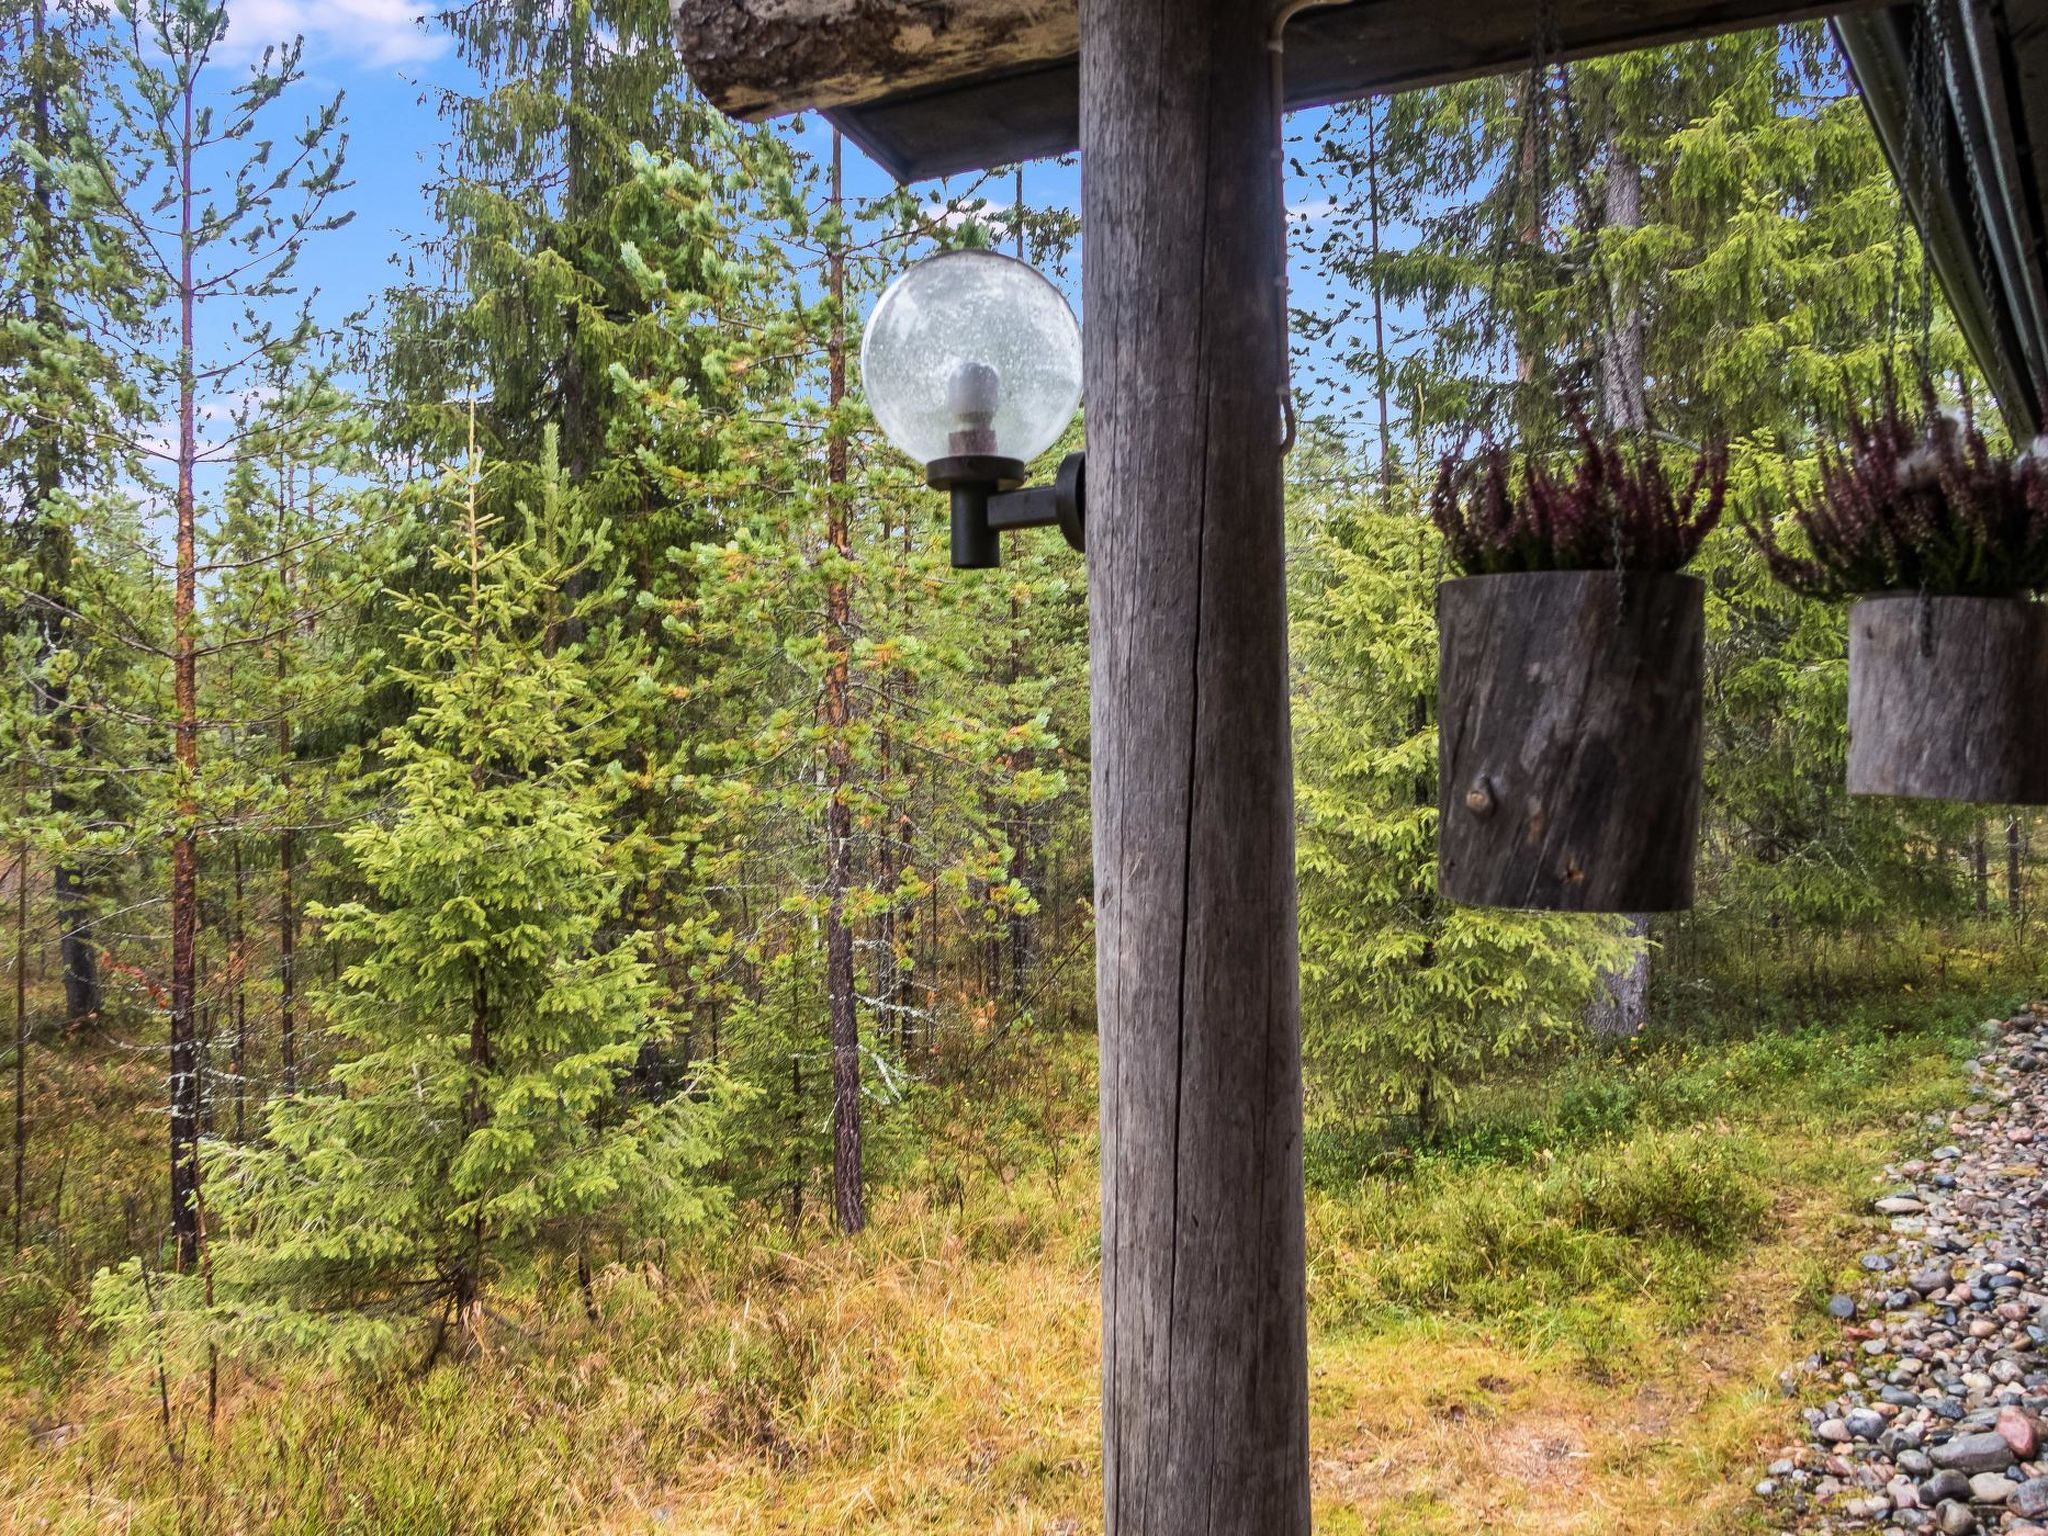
[(1405, 999), (485, 1029), (64, 396)]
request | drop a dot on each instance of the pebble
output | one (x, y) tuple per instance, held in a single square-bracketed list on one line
[(1930, 1413), (2030, 1498)]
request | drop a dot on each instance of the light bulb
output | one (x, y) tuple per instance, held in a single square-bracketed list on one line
[(973, 391)]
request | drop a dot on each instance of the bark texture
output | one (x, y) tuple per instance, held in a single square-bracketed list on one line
[(756, 58), (1621, 1005), (849, 1200), (1945, 699), (1205, 1401), (1569, 740)]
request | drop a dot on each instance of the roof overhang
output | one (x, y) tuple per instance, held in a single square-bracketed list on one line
[(1978, 198), (934, 87)]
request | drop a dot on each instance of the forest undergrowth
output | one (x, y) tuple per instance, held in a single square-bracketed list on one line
[(1564, 1314)]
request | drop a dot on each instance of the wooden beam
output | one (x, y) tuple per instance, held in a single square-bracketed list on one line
[(1205, 1379), (932, 87), (761, 58)]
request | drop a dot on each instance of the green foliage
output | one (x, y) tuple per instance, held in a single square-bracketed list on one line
[(1653, 1212), (487, 1026), (1769, 235), (1405, 998)]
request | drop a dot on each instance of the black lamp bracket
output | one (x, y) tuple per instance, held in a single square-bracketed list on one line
[(989, 495)]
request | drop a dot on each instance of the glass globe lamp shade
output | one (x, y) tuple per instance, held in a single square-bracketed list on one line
[(972, 353)]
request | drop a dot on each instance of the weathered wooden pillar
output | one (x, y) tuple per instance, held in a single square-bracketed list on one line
[(1205, 1380)]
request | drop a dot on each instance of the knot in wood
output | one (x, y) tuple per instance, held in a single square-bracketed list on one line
[(1479, 798)]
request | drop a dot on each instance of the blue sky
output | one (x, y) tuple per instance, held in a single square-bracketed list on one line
[(387, 62)]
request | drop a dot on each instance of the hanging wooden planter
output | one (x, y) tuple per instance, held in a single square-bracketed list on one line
[(1569, 740), (1948, 698)]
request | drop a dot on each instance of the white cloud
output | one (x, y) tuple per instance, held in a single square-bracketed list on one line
[(376, 34), (1316, 211)]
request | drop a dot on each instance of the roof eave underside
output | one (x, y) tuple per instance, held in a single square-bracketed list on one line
[(1977, 198)]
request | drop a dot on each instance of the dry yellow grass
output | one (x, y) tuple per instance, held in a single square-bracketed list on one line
[(908, 1383), (938, 1375)]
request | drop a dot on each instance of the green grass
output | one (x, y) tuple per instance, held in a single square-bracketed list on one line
[(1903, 1052), (1567, 1254)]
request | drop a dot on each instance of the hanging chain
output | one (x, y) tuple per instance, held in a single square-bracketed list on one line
[(1916, 175)]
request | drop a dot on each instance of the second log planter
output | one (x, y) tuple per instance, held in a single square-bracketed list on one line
[(1569, 740), (1948, 698)]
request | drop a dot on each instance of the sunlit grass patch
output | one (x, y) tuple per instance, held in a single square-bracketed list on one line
[(1564, 1319)]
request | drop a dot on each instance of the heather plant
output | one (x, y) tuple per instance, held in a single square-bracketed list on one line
[(1918, 502), (1617, 510)]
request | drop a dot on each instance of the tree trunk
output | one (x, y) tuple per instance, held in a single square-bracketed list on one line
[(1023, 859), (848, 1197), (1980, 869), (1621, 1003), (1623, 371), (1205, 1381), (185, 1094), (77, 953), (287, 852), (238, 999), (2013, 894), (21, 1028), (1023, 869), (1381, 380)]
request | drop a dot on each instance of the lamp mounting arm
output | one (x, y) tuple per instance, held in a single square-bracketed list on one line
[(989, 496)]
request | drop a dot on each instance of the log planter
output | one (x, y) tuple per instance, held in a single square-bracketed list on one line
[(1569, 740), (1948, 698)]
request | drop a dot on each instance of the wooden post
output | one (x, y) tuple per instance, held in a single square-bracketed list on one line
[(1205, 1380)]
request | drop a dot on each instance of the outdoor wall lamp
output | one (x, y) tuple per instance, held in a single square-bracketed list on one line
[(972, 364)]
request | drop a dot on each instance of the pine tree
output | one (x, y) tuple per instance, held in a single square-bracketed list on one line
[(218, 220)]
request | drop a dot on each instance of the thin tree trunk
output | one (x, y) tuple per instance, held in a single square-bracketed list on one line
[(238, 998), (2013, 895), (1980, 869), (1205, 1372), (1379, 308), (885, 879), (184, 1064), (848, 1196), (1023, 871), (287, 852), (21, 1023), (905, 925)]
